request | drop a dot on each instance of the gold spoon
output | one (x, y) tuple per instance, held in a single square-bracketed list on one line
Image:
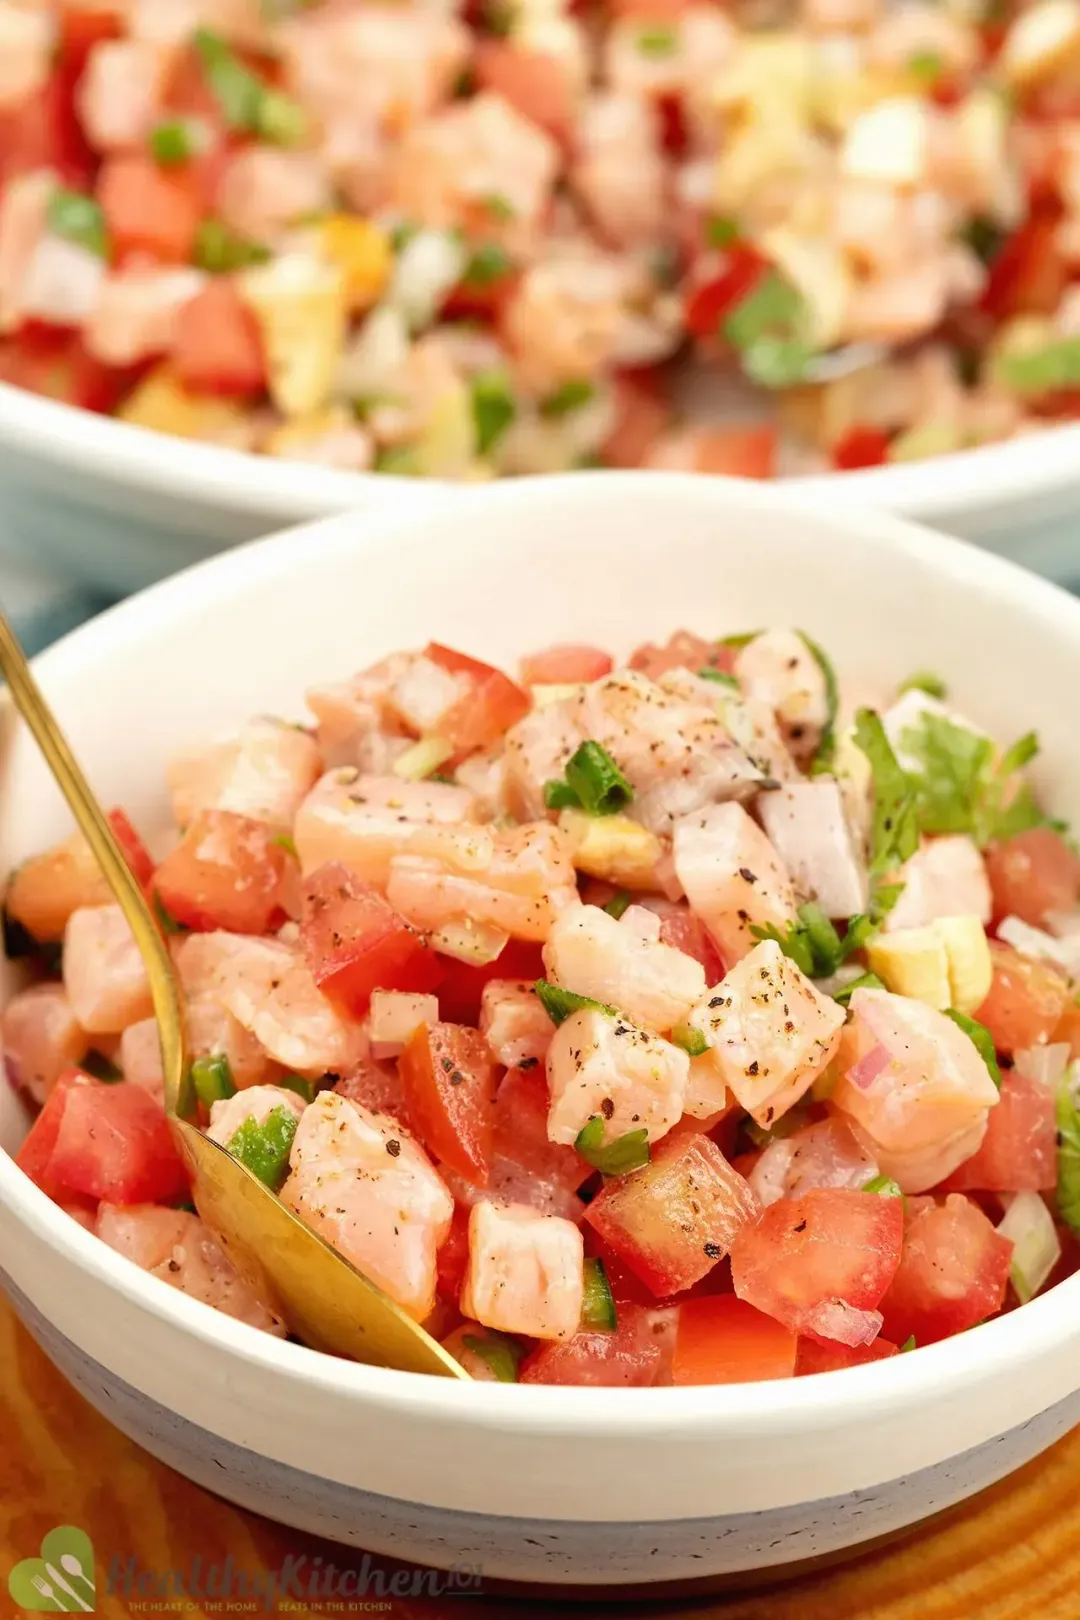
[(320, 1296)]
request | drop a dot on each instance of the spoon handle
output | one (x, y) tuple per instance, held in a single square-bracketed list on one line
[(91, 821)]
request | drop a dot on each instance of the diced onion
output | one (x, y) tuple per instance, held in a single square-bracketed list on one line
[(865, 1072), (1037, 943), (423, 692), (468, 941), (428, 268), (1043, 1064), (544, 694), (63, 282), (395, 1016), (422, 758), (834, 1319), (1030, 1229)]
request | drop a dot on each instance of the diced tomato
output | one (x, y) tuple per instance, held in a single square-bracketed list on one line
[(736, 452), (462, 983), (683, 928), (629, 1357), (1019, 1150), (683, 650), (226, 872), (58, 366), (81, 28), (860, 447), (723, 1340), (831, 1244), (521, 1138), (452, 1259), (674, 130), (1032, 875), (449, 1077), (672, 1220), (148, 211), (642, 412), (1028, 275), (494, 704), (45, 133), (535, 84), (952, 1273), (217, 349), (35, 1155), (134, 850), (377, 1087), (565, 664), (713, 300), (114, 1142), (1026, 1000), (355, 942), (814, 1357), (482, 301)]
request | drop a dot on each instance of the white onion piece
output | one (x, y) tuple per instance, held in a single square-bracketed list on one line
[(1030, 1229), (1043, 1064), (835, 1319), (1033, 942), (395, 1016), (429, 266), (63, 282), (468, 941), (424, 691)]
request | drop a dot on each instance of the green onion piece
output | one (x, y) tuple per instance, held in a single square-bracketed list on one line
[(598, 1314), (80, 219), (601, 787), (924, 680), (500, 208), (398, 460), (739, 640), (281, 119), (264, 1148), (487, 264), (499, 1353), (771, 308), (212, 1078), (296, 1082), (559, 1003), (101, 1067), (173, 142), (560, 796), (618, 903), (236, 89), (618, 1158), (776, 362), (884, 1186), (982, 1038), (720, 676), (219, 250), (169, 924), (1067, 1118), (570, 397), (721, 231), (493, 407), (908, 1344), (926, 66), (657, 41), (1042, 371), (287, 843), (691, 1040), (865, 981), (827, 746)]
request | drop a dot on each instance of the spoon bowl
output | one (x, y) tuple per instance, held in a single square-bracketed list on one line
[(322, 1298)]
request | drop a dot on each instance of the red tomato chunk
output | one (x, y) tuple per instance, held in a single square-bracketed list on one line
[(462, 983), (1026, 1000), (631, 1356), (952, 1273), (94, 1141), (482, 716), (1032, 875), (814, 1357), (226, 872), (148, 211), (217, 349), (564, 664), (449, 1077), (1019, 1151), (723, 1340), (831, 1246), (355, 942), (675, 1218), (134, 850)]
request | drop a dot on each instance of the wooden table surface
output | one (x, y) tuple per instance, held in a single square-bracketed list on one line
[(1012, 1554)]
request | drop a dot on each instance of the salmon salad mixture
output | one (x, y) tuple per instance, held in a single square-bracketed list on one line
[(469, 238), (660, 1023)]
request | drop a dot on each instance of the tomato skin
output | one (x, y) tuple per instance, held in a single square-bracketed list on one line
[(1019, 1151), (860, 447), (148, 211), (482, 716), (713, 300), (452, 1259), (226, 872), (672, 1220), (35, 1154), (952, 1273), (55, 364), (134, 850), (565, 664), (831, 1243), (736, 452), (462, 983), (641, 414), (94, 1141), (1028, 276), (355, 942), (682, 928), (723, 1340), (629, 1357), (217, 349), (449, 1077), (1033, 874), (1026, 1000), (816, 1357)]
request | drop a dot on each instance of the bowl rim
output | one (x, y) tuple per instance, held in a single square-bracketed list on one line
[(997, 1348), (941, 489)]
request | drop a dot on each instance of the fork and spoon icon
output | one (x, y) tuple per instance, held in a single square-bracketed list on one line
[(71, 1566)]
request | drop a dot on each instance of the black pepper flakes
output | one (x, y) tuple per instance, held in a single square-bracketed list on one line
[(746, 875), (712, 1250), (393, 1147), (752, 1068), (607, 1107)]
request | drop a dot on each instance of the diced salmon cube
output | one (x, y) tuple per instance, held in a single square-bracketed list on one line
[(119, 92), (605, 1067), (526, 1271), (623, 964), (771, 1032), (364, 821), (733, 877), (386, 1211), (45, 890), (264, 773), (104, 975), (140, 1057), (211, 1030), (514, 1023), (528, 881), (41, 1038), (807, 826)]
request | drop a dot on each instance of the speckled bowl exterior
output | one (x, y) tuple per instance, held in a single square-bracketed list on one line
[(537, 1484)]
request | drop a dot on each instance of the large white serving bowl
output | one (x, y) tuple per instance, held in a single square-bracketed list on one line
[(538, 1484), (118, 507)]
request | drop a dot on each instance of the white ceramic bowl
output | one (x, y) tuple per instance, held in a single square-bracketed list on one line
[(538, 1484), (118, 507)]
